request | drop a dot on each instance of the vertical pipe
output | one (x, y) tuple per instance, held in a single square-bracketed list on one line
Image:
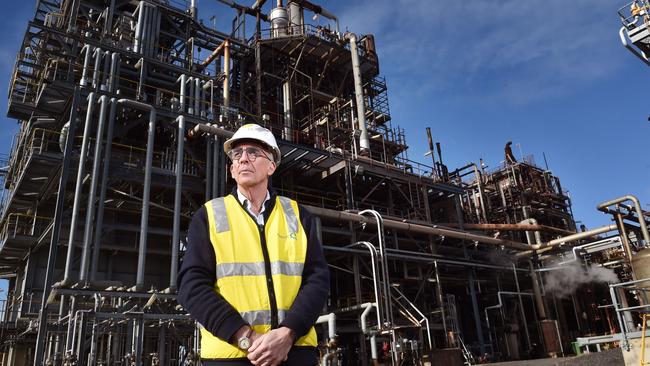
[(521, 306), (144, 221), (108, 25), (197, 96), (144, 32), (56, 231), (105, 76), (364, 142), (102, 190), (84, 72), (98, 60), (208, 167), (183, 80), (226, 73), (539, 301), (90, 209), (216, 165), (112, 84), (177, 202), (288, 118), (442, 303), (190, 99), (138, 28), (78, 187)]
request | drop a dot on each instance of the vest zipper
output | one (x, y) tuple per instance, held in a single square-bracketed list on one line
[(269, 278), (267, 261)]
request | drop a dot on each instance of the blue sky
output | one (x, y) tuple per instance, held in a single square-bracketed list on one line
[(549, 75)]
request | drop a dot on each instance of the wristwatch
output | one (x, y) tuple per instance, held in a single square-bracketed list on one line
[(244, 342)]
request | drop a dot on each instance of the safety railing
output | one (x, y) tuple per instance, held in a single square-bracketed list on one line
[(632, 12), (324, 33), (628, 325), (24, 305), (17, 224)]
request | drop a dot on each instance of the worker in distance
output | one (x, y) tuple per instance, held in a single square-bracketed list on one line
[(254, 274)]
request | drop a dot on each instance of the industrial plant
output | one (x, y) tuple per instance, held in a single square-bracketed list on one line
[(123, 108)]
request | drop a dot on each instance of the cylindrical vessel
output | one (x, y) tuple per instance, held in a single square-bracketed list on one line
[(551, 340), (641, 266), (279, 19)]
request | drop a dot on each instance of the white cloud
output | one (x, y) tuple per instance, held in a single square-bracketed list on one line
[(538, 49)]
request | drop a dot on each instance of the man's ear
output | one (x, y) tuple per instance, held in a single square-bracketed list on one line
[(272, 168)]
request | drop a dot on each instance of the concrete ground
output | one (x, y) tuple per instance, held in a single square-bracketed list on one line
[(612, 357)]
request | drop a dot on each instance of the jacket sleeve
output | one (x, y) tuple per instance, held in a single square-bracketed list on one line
[(196, 280), (315, 285)]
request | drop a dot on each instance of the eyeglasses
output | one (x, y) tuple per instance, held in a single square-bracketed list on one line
[(252, 152)]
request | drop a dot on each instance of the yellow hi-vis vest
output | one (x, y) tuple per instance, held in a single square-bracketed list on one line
[(259, 275)]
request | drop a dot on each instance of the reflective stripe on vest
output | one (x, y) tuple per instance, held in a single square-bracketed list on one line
[(241, 271)]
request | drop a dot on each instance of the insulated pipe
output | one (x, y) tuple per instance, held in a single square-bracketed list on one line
[(364, 315), (90, 208), (373, 350), (102, 189), (543, 247), (642, 56), (107, 66), (197, 96), (331, 324), (210, 84), (193, 11), (383, 260), (190, 99), (147, 186), (538, 236), (112, 85), (376, 281), (364, 142), (509, 227), (98, 60), (539, 301), (84, 73), (637, 207), (77, 192), (217, 51), (288, 118), (145, 29), (177, 202), (226, 74), (138, 29), (183, 80)]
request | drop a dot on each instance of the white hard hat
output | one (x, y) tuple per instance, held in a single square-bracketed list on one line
[(255, 132)]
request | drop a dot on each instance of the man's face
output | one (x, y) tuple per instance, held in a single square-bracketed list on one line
[(248, 173)]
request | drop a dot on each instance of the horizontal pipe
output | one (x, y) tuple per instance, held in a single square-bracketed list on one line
[(509, 227), (330, 319), (637, 207)]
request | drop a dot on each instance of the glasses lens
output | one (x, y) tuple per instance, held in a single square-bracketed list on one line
[(252, 152)]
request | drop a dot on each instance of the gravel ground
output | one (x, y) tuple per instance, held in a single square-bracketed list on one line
[(613, 357)]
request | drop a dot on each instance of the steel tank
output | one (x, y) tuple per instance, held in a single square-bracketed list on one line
[(641, 265)]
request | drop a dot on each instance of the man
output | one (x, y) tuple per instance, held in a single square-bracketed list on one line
[(254, 275)]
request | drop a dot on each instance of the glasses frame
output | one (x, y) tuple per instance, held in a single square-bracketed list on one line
[(252, 155)]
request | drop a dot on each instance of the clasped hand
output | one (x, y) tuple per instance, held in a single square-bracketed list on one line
[(272, 348)]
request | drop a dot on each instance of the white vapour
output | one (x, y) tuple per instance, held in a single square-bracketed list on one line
[(564, 282)]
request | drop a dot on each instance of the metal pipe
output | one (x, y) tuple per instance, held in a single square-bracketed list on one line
[(147, 186), (90, 208), (521, 306), (145, 28), (331, 324), (190, 99), (641, 55), (102, 189), (177, 202), (533, 222), (77, 191), (98, 60), (388, 315), (197, 96), (84, 72), (540, 248), (138, 28), (364, 142), (226, 73), (210, 83), (183, 80), (637, 207), (376, 281), (288, 117), (509, 227), (107, 66), (112, 84), (217, 51), (364, 315)]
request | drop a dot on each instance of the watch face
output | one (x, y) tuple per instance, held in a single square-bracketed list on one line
[(244, 343)]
